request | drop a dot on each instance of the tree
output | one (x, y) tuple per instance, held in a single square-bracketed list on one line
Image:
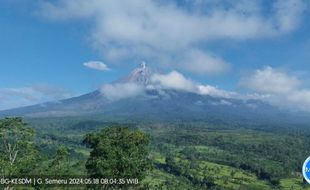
[(18, 153), (60, 165), (118, 152)]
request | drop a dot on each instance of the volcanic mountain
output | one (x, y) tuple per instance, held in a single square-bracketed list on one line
[(137, 96)]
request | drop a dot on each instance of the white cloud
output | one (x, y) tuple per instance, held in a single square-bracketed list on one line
[(163, 31), (214, 91), (278, 88), (301, 98), (119, 91), (173, 80), (269, 80), (288, 13), (222, 102), (25, 96), (97, 65), (203, 63)]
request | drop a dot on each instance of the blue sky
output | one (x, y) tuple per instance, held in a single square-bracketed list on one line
[(246, 47)]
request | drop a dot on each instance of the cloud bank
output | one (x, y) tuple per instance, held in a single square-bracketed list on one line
[(172, 35), (173, 80), (268, 84), (199, 62), (281, 88), (25, 96), (269, 80), (119, 91)]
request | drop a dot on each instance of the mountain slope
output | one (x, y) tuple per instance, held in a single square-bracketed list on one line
[(157, 103)]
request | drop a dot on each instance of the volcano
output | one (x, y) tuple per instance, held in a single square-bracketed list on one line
[(138, 97)]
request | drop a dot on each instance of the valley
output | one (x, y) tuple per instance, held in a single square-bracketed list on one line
[(197, 155)]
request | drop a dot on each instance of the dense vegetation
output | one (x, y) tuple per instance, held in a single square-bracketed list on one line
[(195, 155)]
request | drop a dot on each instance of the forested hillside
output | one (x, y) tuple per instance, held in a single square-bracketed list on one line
[(174, 155)]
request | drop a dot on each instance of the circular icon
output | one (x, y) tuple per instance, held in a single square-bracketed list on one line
[(306, 170)]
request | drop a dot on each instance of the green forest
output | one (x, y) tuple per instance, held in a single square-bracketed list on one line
[(159, 155)]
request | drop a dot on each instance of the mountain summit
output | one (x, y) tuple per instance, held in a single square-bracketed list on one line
[(140, 75), (145, 101)]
